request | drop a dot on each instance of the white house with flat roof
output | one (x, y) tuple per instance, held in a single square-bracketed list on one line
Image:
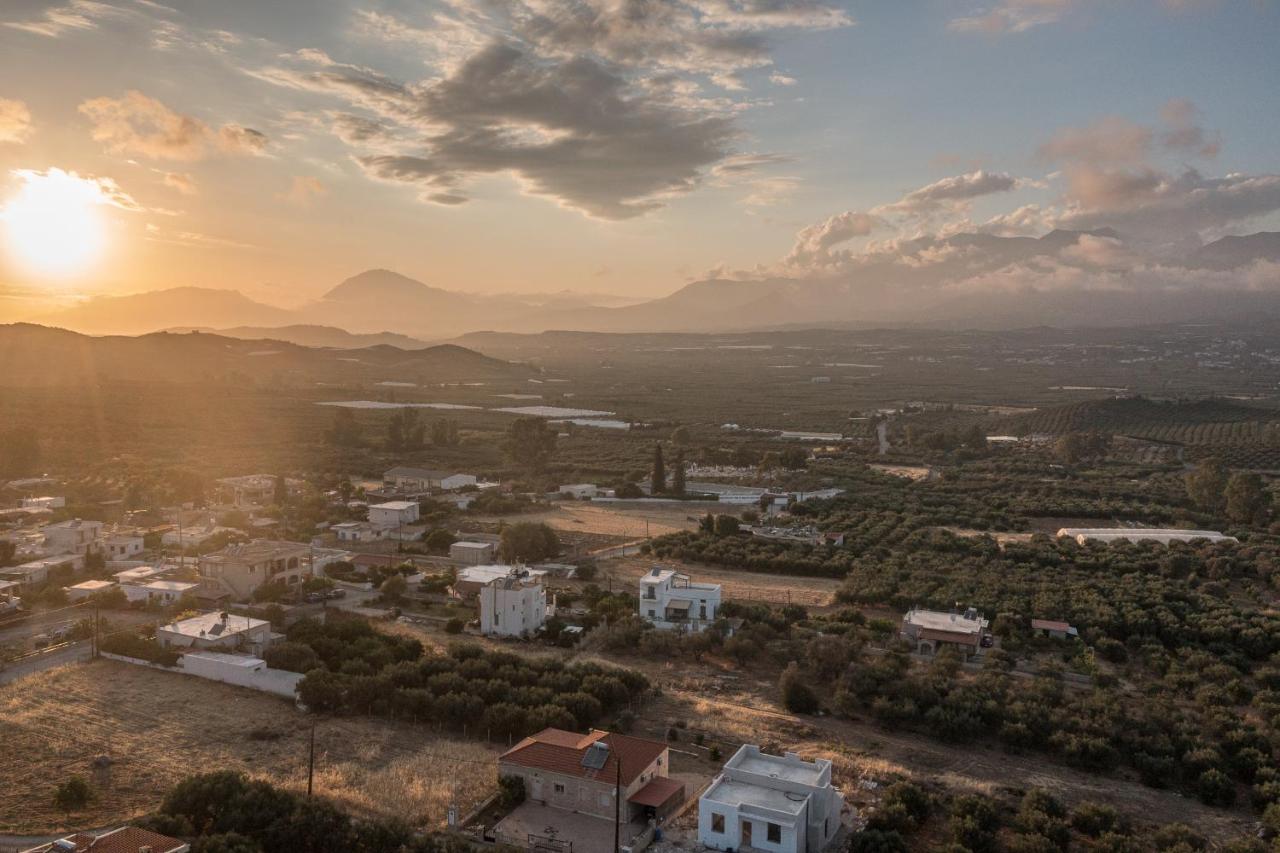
[(780, 804), (472, 579), (158, 591), (393, 513), (931, 630), (473, 553), (215, 630), (122, 545), (77, 536), (44, 502), (671, 601), (513, 606), (83, 590)]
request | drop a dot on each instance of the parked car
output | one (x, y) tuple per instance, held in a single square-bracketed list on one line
[(987, 641), (315, 597), (336, 592)]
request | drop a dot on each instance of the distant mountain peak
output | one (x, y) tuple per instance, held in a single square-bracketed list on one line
[(382, 283)]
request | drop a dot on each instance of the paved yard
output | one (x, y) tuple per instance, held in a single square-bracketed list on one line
[(588, 834)]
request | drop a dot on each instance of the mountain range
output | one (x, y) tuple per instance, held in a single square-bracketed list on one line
[(41, 356), (968, 280)]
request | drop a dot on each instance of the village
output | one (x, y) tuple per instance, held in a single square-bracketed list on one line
[(213, 593)]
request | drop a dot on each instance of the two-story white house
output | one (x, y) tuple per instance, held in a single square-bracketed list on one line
[(780, 804), (393, 514), (513, 606), (671, 601), (77, 536)]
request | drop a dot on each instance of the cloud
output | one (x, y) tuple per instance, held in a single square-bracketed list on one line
[(1158, 206), (77, 15), (1012, 16), (136, 124), (193, 239), (741, 164), (303, 190), (570, 130), (814, 243), (1109, 140), (86, 189), (182, 182), (955, 190), (779, 79), (241, 141), (15, 121), (1183, 132)]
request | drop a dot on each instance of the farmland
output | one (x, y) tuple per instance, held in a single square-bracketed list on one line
[(155, 728)]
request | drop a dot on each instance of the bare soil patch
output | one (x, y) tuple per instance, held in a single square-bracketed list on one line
[(157, 728)]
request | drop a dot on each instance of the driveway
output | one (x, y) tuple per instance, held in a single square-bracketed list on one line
[(589, 834)]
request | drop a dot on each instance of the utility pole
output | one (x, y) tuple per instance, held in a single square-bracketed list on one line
[(93, 646), (617, 807), (311, 759)]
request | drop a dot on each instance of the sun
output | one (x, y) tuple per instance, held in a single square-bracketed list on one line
[(53, 226)]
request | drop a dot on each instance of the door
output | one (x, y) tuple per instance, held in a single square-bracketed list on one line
[(746, 834)]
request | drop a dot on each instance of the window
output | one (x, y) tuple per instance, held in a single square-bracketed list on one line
[(559, 788), (717, 822), (773, 832)]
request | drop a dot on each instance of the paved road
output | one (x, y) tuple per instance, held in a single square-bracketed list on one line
[(47, 659)]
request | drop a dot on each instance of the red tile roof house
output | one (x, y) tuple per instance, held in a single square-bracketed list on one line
[(126, 839), (579, 773)]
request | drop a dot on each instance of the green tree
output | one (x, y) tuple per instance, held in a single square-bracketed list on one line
[(345, 431), (797, 696), (1246, 498), (727, 525), (529, 541), (658, 474), (439, 540), (877, 841), (530, 444), (280, 491), (225, 842), (72, 794), (394, 588), (677, 473), (1207, 484)]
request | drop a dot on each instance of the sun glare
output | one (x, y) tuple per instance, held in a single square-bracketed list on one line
[(53, 226)]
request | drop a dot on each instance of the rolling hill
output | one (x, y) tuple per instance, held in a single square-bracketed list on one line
[(37, 356)]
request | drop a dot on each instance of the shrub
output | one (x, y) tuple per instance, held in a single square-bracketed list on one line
[(72, 794), (797, 695), (511, 792), (454, 625)]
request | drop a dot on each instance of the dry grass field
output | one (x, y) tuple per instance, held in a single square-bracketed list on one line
[(157, 728), (623, 521), (736, 585)]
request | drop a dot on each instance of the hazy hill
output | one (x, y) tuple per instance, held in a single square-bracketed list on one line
[(889, 290), (1232, 252), (313, 336), (42, 356), (140, 313)]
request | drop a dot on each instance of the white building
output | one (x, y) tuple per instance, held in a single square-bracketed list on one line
[(164, 592), (473, 553), (193, 537), (671, 601), (770, 803), (358, 531), (931, 630), (45, 502), (216, 630), (472, 579), (1164, 536), (580, 490), (421, 480), (121, 545), (78, 536), (37, 572), (513, 606), (138, 575), (81, 591), (393, 514)]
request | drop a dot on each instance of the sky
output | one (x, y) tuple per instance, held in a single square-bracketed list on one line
[(613, 146)]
